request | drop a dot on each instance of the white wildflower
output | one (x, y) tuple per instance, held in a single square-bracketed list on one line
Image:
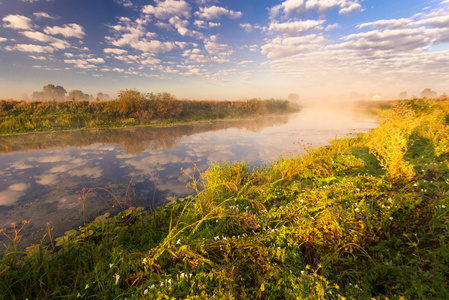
[(117, 278), (86, 287), (145, 292)]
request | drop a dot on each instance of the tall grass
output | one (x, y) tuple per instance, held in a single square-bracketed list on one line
[(337, 222), (129, 109)]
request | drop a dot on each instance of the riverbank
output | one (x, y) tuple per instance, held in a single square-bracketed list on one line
[(132, 108), (362, 218)]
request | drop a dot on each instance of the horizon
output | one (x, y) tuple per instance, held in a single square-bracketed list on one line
[(226, 50)]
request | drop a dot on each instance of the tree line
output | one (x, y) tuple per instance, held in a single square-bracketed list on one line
[(58, 93)]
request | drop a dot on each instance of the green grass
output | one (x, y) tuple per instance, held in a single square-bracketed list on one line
[(349, 220)]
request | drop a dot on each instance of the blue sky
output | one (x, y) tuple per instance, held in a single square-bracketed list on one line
[(233, 49)]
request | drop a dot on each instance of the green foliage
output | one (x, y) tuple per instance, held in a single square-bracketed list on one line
[(333, 223)]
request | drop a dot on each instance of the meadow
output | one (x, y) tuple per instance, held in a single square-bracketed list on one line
[(131, 108), (361, 218)]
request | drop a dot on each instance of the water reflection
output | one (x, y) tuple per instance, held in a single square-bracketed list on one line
[(33, 166)]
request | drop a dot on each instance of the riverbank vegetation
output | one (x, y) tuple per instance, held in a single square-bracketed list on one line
[(362, 218), (131, 108)]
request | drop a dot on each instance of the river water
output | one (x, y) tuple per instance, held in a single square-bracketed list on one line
[(44, 174)]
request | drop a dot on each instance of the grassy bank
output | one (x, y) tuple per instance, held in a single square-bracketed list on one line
[(362, 218), (130, 109)]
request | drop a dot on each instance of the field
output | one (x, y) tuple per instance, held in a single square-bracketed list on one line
[(362, 218)]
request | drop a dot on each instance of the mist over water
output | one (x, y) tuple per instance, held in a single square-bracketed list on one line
[(34, 166)]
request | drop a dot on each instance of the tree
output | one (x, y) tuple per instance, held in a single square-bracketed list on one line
[(77, 95), (103, 97), (403, 95), (428, 93), (53, 92)]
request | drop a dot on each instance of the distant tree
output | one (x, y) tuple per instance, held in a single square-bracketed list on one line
[(77, 95), (403, 95), (53, 92), (103, 97), (293, 97), (38, 96), (428, 93)]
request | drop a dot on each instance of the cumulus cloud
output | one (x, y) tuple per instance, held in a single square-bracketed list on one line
[(115, 51), (247, 27), (204, 24), (31, 48), (296, 27), (168, 8), (68, 30), (2, 39), (216, 12), (41, 15), (17, 22), (302, 7), (390, 39), (283, 47)]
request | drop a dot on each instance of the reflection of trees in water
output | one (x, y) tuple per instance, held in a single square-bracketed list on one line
[(134, 140)]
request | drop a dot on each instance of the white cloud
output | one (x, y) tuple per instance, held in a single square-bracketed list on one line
[(350, 8), (204, 24), (302, 7), (215, 12), (115, 51), (282, 47), (70, 30), (135, 35), (17, 22), (2, 39), (125, 3), (168, 8), (390, 39), (31, 48), (296, 27), (40, 15), (247, 27), (38, 57)]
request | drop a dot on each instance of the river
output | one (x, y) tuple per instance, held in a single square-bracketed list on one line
[(45, 175)]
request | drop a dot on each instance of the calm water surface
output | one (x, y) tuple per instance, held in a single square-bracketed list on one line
[(33, 167)]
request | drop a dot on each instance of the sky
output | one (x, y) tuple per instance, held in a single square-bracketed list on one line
[(229, 49)]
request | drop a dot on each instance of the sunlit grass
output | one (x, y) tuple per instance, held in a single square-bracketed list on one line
[(357, 219)]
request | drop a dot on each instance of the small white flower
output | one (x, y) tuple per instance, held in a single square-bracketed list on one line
[(356, 209), (144, 260), (145, 292), (86, 287), (391, 218), (111, 265), (178, 242), (117, 278), (152, 286), (443, 206)]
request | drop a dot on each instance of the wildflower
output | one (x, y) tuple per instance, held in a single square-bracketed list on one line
[(178, 242), (111, 265), (144, 260), (443, 206), (145, 292), (117, 278), (152, 286), (216, 238), (86, 287), (356, 209), (391, 218)]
